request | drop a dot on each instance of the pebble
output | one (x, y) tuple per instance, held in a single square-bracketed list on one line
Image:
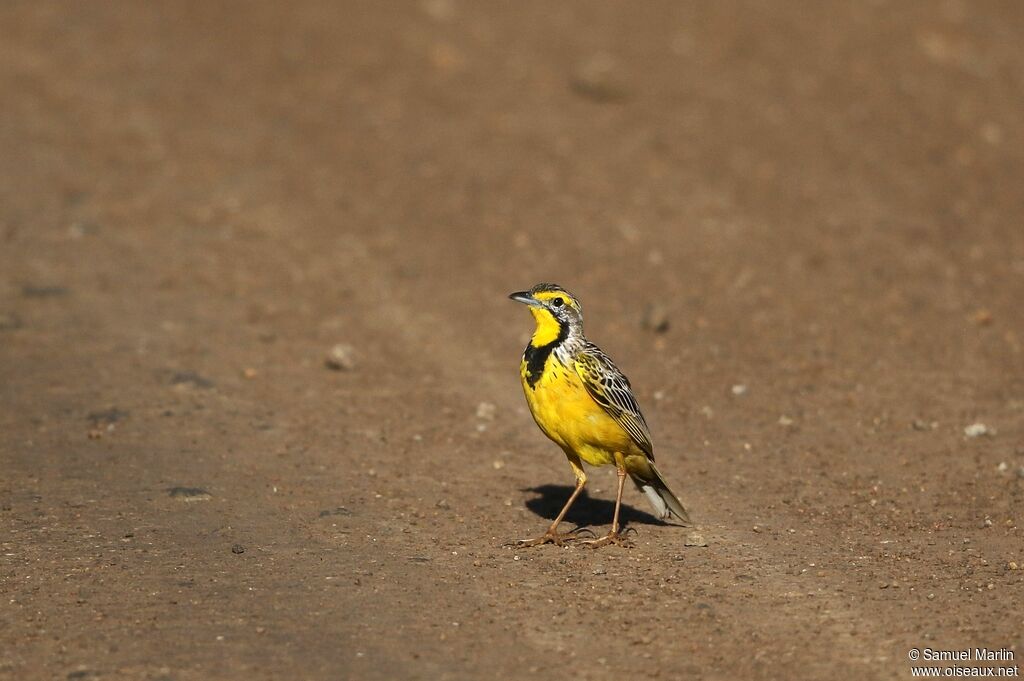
[(485, 410), (982, 317), (189, 494), (340, 510), (979, 430), (655, 318), (237, 549), (340, 358), (919, 424), (695, 539), (739, 389), (1012, 566), (190, 378), (785, 421), (106, 417), (597, 79), (600, 570)]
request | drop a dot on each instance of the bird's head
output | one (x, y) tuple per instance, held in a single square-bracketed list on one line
[(558, 313)]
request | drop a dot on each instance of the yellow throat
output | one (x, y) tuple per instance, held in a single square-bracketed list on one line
[(547, 330)]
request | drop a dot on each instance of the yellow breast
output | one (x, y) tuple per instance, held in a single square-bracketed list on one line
[(568, 415)]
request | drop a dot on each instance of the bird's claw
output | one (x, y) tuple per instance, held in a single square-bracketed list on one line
[(550, 537), (618, 538)]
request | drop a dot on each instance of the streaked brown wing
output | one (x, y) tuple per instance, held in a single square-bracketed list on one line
[(610, 389)]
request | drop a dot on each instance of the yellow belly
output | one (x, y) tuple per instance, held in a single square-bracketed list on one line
[(568, 415)]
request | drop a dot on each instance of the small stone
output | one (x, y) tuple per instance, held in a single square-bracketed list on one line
[(191, 379), (931, 597), (655, 318), (918, 424), (1003, 467), (340, 358), (443, 504), (1012, 566), (249, 372), (739, 389), (757, 529), (106, 417), (982, 317), (237, 549), (597, 79), (339, 510), (991, 586), (498, 464), (485, 411), (695, 539), (978, 430), (600, 570), (189, 494), (785, 421)]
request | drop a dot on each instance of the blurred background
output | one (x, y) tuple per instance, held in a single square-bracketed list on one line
[(796, 226)]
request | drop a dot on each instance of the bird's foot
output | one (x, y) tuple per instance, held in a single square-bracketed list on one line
[(615, 537), (552, 537)]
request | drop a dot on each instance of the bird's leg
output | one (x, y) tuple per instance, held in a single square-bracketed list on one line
[(553, 536), (614, 537)]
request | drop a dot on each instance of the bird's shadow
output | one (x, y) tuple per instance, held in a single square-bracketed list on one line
[(586, 511)]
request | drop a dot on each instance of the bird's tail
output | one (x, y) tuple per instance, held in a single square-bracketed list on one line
[(661, 497)]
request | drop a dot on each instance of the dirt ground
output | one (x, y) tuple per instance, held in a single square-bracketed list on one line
[(199, 200)]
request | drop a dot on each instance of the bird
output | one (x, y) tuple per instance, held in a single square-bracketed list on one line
[(585, 405)]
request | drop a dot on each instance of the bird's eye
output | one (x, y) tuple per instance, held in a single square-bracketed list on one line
[(557, 302)]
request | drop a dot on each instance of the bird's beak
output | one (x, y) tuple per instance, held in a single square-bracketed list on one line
[(525, 298)]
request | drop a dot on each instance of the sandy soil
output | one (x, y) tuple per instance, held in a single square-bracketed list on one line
[(199, 200)]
